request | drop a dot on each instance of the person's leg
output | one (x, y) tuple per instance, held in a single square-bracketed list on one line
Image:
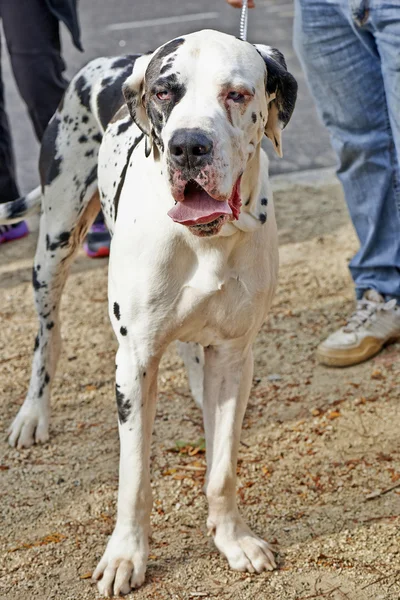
[(8, 184), (384, 21), (33, 42), (339, 55), (343, 68)]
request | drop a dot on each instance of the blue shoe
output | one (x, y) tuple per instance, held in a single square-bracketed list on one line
[(97, 243), (9, 233)]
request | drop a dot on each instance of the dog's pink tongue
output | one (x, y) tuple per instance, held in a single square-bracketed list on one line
[(198, 208)]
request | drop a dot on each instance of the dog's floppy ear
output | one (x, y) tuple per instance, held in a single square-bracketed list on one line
[(281, 94), (134, 93)]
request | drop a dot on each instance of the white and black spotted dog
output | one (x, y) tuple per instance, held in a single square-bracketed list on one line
[(183, 182)]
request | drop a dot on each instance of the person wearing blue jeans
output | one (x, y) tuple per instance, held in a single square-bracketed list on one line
[(350, 52)]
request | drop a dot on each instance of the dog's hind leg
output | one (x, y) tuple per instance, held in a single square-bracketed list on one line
[(192, 355), (227, 381), (57, 244), (70, 202)]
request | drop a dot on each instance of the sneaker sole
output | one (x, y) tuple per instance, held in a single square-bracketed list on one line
[(368, 348)]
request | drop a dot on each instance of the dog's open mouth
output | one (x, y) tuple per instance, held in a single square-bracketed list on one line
[(198, 207), (201, 213)]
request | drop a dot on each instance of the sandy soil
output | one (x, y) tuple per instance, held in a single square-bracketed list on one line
[(319, 455)]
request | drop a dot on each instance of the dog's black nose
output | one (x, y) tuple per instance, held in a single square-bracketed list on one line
[(190, 148)]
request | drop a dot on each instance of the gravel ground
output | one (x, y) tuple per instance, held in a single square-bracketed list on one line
[(319, 460)]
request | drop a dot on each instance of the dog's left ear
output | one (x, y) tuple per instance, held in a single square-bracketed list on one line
[(281, 88), (134, 93)]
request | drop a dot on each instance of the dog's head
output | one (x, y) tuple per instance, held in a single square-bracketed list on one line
[(204, 102)]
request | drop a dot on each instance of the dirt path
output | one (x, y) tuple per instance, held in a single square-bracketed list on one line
[(317, 443)]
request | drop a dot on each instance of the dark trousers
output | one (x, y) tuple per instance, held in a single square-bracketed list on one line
[(33, 42)]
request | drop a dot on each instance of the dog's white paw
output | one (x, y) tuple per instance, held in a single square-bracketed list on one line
[(123, 565), (244, 550), (30, 426)]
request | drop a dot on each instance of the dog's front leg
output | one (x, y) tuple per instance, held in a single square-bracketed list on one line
[(123, 564), (227, 381)]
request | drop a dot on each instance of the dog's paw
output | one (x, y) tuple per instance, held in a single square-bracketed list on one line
[(123, 565), (30, 426), (244, 550)]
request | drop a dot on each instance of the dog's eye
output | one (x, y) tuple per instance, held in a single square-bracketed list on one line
[(163, 95), (236, 96)]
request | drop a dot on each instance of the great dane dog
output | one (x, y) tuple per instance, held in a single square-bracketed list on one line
[(175, 159)]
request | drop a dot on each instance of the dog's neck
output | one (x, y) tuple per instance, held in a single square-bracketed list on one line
[(254, 209)]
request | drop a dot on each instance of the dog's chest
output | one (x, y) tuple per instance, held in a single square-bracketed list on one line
[(214, 304)]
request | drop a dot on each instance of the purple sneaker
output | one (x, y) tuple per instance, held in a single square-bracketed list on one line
[(97, 243), (9, 233)]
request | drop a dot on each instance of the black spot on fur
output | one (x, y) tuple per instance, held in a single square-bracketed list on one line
[(91, 177), (17, 208), (169, 48), (197, 359), (110, 98), (247, 202), (124, 406), (85, 119), (123, 174), (36, 346), (35, 281), (106, 81), (254, 117), (124, 331), (97, 137), (60, 241), (165, 68), (263, 218), (82, 139), (83, 90), (264, 201), (117, 311), (89, 153), (50, 325), (124, 61), (49, 165), (124, 126)]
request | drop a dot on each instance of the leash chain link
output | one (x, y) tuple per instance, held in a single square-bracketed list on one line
[(243, 21)]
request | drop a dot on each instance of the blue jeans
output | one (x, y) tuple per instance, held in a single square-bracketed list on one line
[(350, 51)]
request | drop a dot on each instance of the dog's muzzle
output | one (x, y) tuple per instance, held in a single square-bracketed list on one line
[(198, 206)]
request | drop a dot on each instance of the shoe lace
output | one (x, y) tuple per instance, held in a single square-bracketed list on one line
[(366, 311)]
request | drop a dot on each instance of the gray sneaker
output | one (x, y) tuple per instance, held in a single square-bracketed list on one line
[(373, 324)]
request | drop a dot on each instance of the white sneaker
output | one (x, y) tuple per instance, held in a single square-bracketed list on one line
[(373, 324)]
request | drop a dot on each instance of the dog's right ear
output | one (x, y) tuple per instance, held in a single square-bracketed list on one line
[(281, 88), (134, 93)]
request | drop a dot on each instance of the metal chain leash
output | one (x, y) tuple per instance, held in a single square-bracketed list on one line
[(243, 21)]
